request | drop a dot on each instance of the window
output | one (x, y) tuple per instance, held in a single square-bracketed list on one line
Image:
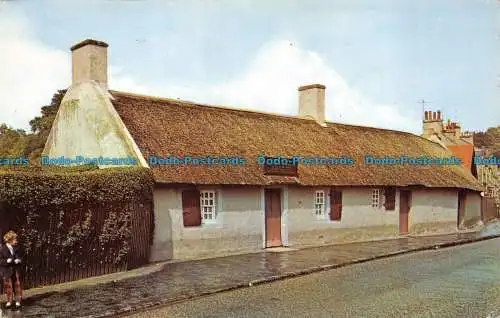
[(207, 204), (198, 207), (376, 198), (319, 203)]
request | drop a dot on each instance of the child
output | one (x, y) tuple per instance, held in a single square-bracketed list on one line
[(10, 260)]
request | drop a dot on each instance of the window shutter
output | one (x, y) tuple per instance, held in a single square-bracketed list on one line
[(390, 199), (335, 205), (191, 212)]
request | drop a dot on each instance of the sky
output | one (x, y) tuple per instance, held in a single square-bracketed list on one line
[(377, 58)]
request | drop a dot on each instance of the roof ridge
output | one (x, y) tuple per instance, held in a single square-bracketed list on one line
[(237, 109), (192, 103)]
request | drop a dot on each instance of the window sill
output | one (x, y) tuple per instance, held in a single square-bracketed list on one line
[(214, 225), (325, 221), (211, 225)]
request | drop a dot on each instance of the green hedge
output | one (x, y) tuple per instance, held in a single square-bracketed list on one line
[(34, 187), (55, 211)]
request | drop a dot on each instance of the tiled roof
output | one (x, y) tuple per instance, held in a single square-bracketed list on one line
[(168, 127), (464, 153)]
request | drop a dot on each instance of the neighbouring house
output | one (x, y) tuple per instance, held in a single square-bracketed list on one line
[(449, 135), (210, 210)]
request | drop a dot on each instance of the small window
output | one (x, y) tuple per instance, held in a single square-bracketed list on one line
[(319, 203), (280, 167), (207, 206), (376, 198)]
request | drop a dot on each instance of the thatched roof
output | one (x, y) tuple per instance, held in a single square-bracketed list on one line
[(167, 127)]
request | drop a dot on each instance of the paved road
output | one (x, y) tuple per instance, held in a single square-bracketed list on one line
[(462, 281)]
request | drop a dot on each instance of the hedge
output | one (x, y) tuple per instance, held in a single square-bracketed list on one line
[(62, 211), (34, 187)]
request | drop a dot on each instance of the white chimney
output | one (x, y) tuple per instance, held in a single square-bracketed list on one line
[(90, 62), (312, 102)]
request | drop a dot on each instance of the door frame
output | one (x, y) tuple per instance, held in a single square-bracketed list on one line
[(461, 205), (284, 214), (401, 191)]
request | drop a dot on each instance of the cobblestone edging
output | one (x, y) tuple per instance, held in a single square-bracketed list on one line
[(151, 305)]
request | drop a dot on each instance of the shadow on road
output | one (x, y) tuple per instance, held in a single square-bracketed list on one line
[(11, 313)]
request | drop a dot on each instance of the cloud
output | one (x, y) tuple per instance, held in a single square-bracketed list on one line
[(31, 72), (270, 81)]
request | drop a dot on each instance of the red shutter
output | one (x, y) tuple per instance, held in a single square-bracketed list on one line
[(390, 199), (191, 213), (335, 205)]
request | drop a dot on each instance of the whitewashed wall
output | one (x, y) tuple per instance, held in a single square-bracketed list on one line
[(241, 226), (433, 211), (238, 227), (360, 221)]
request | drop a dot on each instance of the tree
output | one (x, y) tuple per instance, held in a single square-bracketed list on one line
[(41, 126), (12, 141), (489, 140), (16, 142)]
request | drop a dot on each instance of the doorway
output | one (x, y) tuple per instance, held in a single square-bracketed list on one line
[(273, 217), (404, 211)]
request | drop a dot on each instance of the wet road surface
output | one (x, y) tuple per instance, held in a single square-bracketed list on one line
[(177, 281), (462, 281)]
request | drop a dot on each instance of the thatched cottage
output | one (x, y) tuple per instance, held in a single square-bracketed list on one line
[(208, 210)]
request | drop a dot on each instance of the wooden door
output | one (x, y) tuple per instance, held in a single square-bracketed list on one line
[(462, 195), (404, 211), (335, 205), (273, 217)]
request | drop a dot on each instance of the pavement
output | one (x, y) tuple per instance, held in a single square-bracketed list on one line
[(179, 281), (456, 282)]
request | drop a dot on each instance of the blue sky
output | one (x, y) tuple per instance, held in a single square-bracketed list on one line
[(377, 58)]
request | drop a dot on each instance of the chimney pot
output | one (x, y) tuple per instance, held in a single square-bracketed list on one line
[(90, 62), (312, 102), (439, 115)]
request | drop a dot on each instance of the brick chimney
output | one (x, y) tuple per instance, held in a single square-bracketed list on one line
[(468, 137), (458, 130), (90, 62), (312, 102)]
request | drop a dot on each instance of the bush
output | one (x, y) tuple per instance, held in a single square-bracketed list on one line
[(63, 214), (33, 188)]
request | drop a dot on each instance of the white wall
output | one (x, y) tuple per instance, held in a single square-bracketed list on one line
[(87, 125), (356, 210), (433, 211), (472, 215), (238, 227), (360, 221)]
